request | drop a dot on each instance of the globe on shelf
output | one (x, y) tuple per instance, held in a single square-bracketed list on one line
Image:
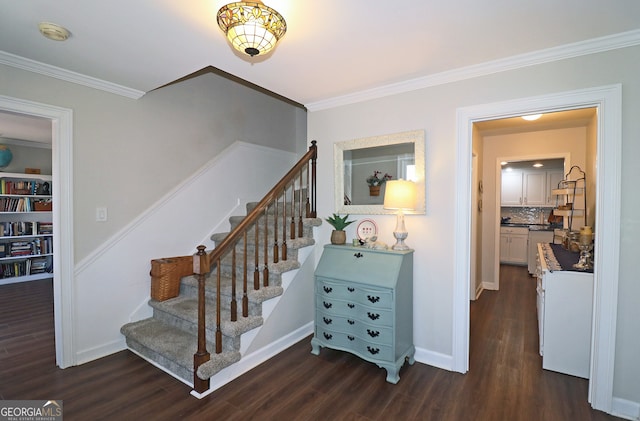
[(5, 156)]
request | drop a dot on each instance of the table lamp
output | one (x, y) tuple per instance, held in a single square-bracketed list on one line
[(400, 195)]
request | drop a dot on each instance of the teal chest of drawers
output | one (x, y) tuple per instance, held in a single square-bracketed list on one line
[(364, 305)]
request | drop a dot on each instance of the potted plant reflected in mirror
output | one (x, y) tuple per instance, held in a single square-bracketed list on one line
[(376, 181), (338, 236)]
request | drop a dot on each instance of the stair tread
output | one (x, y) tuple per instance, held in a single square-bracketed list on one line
[(186, 308), (168, 341)]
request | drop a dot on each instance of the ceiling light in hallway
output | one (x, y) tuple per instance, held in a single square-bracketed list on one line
[(54, 31), (531, 117), (251, 27)]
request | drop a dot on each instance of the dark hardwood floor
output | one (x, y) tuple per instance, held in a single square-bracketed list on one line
[(505, 381)]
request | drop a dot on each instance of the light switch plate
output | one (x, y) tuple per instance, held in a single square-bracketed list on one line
[(101, 214)]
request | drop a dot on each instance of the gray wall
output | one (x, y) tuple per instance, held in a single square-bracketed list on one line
[(434, 109), (128, 153)]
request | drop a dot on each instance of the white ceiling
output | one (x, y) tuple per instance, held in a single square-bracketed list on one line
[(332, 48)]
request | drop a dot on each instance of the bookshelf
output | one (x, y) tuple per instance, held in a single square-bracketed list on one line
[(26, 227)]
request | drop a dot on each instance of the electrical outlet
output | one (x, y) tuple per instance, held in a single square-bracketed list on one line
[(101, 214)]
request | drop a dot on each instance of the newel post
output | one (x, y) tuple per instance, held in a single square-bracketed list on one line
[(313, 213), (200, 268)]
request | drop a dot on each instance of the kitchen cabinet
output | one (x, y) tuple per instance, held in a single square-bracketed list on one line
[(528, 188), (553, 178), (513, 245), (564, 306), (534, 188), (511, 189), (364, 305)]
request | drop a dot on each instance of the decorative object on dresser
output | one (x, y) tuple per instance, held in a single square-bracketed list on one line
[(338, 236), (400, 195), (364, 305)]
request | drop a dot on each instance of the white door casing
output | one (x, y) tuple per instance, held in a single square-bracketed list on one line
[(608, 101)]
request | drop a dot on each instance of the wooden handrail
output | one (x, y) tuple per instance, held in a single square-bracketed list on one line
[(270, 197)]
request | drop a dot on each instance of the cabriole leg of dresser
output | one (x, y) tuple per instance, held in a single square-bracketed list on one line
[(315, 346)]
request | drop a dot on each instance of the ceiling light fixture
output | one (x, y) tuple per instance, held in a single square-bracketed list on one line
[(53, 31), (531, 117), (251, 27), (538, 165)]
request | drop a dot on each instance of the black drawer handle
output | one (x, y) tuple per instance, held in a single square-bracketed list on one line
[(327, 336), (351, 337), (373, 299), (373, 351), (351, 289), (326, 304), (327, 289), (351, 322), (358, 255), (351, 305), (373, 333), (327, 321), (373, 316)]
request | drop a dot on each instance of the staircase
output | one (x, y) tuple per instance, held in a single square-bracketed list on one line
[(241, 279)]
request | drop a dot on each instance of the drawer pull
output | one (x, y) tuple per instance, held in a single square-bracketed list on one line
[(326, 304), (351, 305), (327, 289), (373, 316), (350, 321), (327, 321), (358, 255), (351, 289), (373, 299), (327, 336), (351, 337), (373, 333), (373, 351)]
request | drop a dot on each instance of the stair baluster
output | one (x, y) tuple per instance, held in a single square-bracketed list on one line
[(300, 225), (256, 272), (245, 297), (276, 259), (234, 304), (292, 228), (284, 223), (265, 270)]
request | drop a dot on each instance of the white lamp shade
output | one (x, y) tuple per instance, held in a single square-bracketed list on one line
[(400, 194)]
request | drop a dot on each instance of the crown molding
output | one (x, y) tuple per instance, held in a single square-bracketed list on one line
[(69, 76), (592, 46)]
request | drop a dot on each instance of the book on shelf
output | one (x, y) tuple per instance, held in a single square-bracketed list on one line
[(26, 267), (25, 187)]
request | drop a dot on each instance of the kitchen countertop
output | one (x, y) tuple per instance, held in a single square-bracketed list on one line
[(532, 227)]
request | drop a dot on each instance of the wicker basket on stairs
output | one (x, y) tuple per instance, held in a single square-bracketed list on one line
[(166, 275)]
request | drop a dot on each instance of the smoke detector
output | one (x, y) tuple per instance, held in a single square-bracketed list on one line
[(53, 31)]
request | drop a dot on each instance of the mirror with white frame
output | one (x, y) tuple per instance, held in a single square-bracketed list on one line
[(399, 155)]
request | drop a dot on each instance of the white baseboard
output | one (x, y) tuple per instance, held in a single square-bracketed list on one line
[(625, 409), (91, 354), (434, 359)]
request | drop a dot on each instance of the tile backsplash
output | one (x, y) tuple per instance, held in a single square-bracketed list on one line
[(525, 215)]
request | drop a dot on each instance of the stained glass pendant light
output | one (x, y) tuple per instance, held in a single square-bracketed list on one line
[(251, 27)]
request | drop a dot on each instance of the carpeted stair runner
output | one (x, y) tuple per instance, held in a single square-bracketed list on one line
[(169, 338)]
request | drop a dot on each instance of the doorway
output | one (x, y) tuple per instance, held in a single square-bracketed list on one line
[(62, 185), (607, 100)]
